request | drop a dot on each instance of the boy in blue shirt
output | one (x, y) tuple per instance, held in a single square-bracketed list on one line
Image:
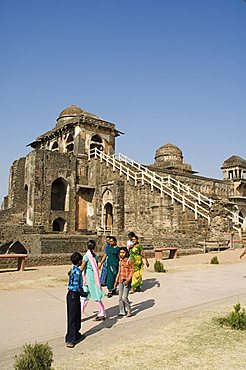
[(75, 290)]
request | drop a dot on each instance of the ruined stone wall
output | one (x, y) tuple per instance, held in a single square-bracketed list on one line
[(157, 218), (27, 236), (82, 170), (139, 209), (39, 260), (17, 193), (45, 167), (6, 215), (66, 244)]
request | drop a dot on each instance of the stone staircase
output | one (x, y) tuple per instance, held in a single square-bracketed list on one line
[(198, 203)]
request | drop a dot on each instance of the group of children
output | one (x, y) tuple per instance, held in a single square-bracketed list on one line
[(121, 266)]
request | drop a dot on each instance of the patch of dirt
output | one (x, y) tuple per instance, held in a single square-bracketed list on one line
[(193, 342)]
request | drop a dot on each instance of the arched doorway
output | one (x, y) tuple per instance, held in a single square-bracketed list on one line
[(58, 224), (58, 195), (108, 217), (96, 142)]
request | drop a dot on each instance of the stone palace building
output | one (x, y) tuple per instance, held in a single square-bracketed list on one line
[(72, 187)]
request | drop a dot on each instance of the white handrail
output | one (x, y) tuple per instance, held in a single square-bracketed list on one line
[(171, 181), (155, 181), (185, 195)]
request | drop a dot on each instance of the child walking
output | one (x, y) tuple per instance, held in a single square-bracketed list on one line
[(75, 290), (124, 278)]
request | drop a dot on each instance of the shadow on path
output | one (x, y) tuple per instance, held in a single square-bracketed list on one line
[(112, 316), (111, 320), (141, 306), (149, 284)]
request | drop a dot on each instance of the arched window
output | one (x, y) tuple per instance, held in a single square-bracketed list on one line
[(241, 216), (70, 138), (58, 194), (58, 224), (69, 143), (96, 142), (69, 148), (108, 217), (54, 147)]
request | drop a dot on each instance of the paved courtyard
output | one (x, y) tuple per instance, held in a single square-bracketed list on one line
[(39, 314)]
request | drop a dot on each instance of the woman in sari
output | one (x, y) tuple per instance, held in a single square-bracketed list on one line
[(103, 276), (112, 255), (136, 255), (91, 281)]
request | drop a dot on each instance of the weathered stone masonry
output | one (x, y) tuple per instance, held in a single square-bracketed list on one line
[(64, 193)]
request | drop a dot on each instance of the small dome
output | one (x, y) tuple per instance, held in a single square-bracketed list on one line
[(233, 161), (71, 111), (168, 152)]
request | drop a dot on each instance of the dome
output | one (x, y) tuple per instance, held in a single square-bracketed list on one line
[(71, 111), (233, 161), (168, 152), (67, 114)]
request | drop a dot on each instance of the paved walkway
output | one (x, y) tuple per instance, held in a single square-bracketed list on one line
[(40, 314)]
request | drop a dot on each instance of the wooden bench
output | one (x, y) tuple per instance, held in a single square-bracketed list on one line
[(158, 252), (20, 259)]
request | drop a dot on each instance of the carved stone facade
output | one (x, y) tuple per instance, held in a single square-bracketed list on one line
[(70, 188)]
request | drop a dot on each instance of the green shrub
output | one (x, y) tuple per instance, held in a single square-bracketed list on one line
[(214, 260), (235, 319), (158, 267), (37, 356)]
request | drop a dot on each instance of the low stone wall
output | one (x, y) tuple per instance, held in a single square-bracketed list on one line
[(54, 244), (38, 260)]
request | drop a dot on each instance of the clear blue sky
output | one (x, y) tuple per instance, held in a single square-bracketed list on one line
[(165, 71)]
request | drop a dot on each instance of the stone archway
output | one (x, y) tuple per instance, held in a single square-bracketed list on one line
[(108, 217), (59, 195), (107, 210), (96, 142), (59, 224)]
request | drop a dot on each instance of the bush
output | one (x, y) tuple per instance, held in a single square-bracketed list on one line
[(214, 260), (37, 356), (158, 267), (235, 319)]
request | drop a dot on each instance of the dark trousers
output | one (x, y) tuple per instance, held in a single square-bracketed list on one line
[(73, 317)]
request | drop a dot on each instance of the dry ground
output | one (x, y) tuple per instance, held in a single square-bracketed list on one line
[(183, 343), (51, 276), (187, 340)]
